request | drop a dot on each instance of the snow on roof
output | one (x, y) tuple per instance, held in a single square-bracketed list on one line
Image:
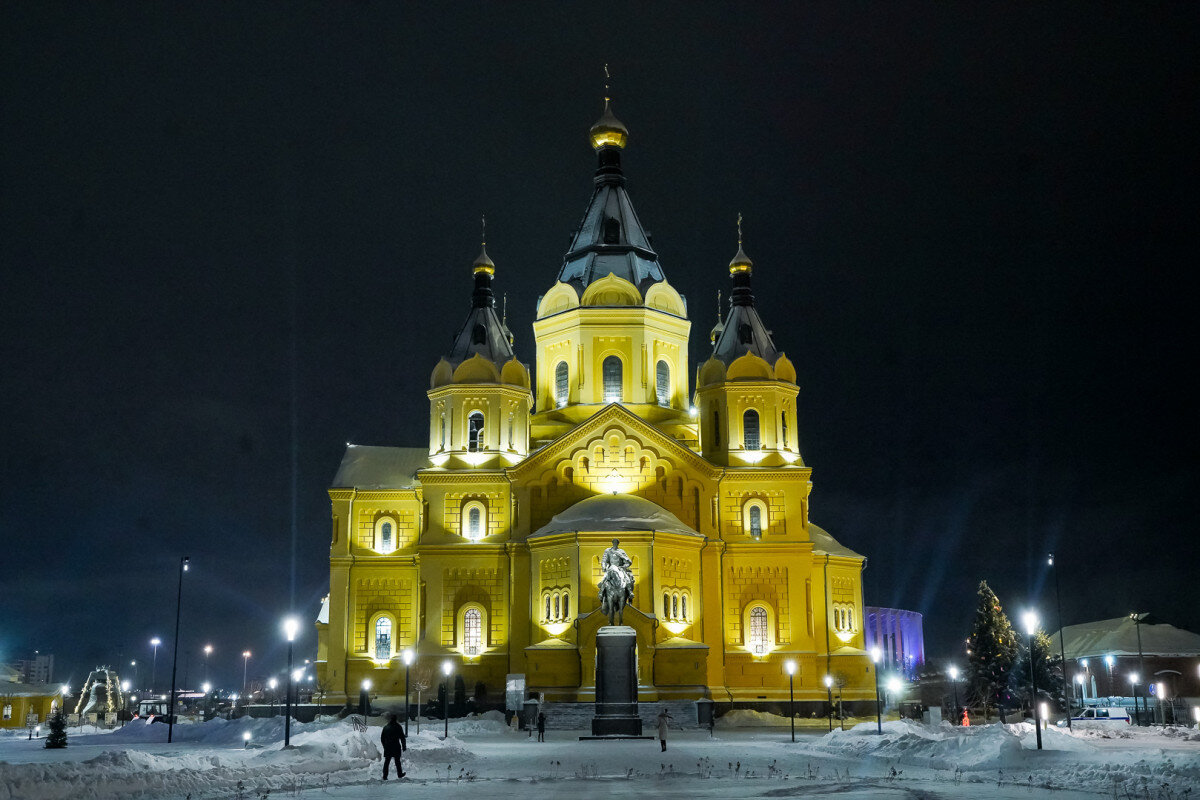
[(30, 690), (323, 614), (369, 467), (615, 512), (824, 543), (1119, 637)]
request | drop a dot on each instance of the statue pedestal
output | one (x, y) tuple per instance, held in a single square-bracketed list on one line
[(616, 684)]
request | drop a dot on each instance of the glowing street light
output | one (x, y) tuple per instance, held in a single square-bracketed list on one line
[(447, 668), (829, 691), (408, 660), (245, 668), (954, 683), (1108, 662), (1133, 680), (155, 642), (291, 626), (1030, 620), (246, 740), (790, 666), (184, 563)]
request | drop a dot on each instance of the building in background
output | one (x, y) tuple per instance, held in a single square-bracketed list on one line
[(24, 704), (39, 669), (900, 637), (482, 549), (1103, 655)]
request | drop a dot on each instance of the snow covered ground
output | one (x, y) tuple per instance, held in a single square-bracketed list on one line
[(750, 755)]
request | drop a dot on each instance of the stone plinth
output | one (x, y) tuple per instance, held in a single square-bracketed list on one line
[(616, 683)]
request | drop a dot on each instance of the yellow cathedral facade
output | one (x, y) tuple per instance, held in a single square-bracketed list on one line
[(483, 547)]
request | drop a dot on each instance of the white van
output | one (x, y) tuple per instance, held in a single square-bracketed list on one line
[(1102, 717)]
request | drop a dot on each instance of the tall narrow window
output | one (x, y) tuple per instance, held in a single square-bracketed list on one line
[(755, 521), (783, 425), (383, 638), (474, 519), (475, 431), (612, 379), (716, 428), (510, 431), (683, 607), (472, 631), (385, 537), (758, 630), (666, 605), (675, 606), (750, 430), (548, 617), (557, 609), (562, 385), (442, 443), (663, 383), (566, 606)]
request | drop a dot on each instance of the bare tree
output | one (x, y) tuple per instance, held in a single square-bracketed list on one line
[(422, 679)]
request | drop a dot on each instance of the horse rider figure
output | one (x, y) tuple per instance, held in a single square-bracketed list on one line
[(616, 586)]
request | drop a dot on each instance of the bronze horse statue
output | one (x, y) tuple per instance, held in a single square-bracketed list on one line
[(616, 587)]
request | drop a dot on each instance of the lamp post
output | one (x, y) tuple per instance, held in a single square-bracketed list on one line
[(1083, 662), (207, 653), (183, 567), (894, 685), (447, 668), (954, 683), (829, 691), (135, 674), (408, 659), (125, 685), (1031, 623), (1137, 618), (790, 666), (291, 626), (876, 656), (245, 669), (1062, 647), (1108, 662), (1079, 680), (155, 642), (1133, 681)]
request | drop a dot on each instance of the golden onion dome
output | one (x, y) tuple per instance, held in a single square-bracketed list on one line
[(483, 263), (608, 130), (741, 262)]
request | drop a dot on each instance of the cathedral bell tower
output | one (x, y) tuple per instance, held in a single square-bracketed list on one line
[(611, 329), (479, 397), (746, 391)]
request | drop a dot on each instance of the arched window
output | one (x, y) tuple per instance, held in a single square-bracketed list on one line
[(475, 431), (383, 638), (683, 607), (557, 608), (548, 617), (472, 631), (758, 630), (755, 521), (442, 441), (7, 711), (754, 517), (562, 386), (663, 383), (474, 518), (479, 334), (750, 430), (566, 608), (666, 606), (385, 536), (612, 379), (716, 428), (674, 606), (783, 424)]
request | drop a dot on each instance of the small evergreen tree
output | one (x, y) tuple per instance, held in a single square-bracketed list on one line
[(1047, 667), (58, 731), (991, 651)]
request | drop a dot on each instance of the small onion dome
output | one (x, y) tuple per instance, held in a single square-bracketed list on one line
[(741, 262), (608, 130), (483, 263), (716, 332)]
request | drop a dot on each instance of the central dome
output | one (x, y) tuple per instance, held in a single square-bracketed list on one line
[(615, 512)]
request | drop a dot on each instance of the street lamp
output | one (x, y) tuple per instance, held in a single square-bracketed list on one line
[(125, 685), (1062, 647), (183, 567), (1079, 679), (1030, 619), (829, 691), (894, 685), (155, 642), (954, 683), (447, 668), (291, 626), (207, 653), (1133, 680), (408, 660), (790, 666), (876, 656), (245, 668), (1108, 662), (1137, 618), (135, 672)]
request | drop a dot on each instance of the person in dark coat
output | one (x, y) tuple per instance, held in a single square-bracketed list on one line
[(394, 742), (541, 727)]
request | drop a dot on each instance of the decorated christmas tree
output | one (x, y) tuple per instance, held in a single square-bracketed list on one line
[(991, 651), (58, 731)]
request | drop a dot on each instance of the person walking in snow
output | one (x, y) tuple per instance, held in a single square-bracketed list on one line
[(541, 727), (394, 742), (663, 716)]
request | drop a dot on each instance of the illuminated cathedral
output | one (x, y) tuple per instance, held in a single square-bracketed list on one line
[(483, 547)]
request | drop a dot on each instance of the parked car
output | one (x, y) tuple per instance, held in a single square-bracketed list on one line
[(1100, 717)]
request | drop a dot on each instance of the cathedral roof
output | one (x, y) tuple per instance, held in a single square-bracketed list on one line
[(616, 513), (370, 467), (610, 239), (825, 544), (743, 331), (483, 333)]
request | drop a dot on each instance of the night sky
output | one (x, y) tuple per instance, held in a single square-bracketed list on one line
[(972, 227)]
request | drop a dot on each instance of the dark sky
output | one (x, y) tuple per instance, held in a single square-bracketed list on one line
[(972, 226)]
